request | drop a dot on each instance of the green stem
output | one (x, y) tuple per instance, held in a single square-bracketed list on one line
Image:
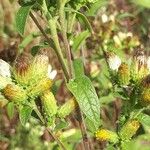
[(64, 34), (45, 124), (71, 20), (56, 49), (52, 24), (56, 139)]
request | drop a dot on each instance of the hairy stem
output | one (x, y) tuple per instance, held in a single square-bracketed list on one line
[(64, 34), (83, 129), (56, 139), (56, 49), (45, 124)]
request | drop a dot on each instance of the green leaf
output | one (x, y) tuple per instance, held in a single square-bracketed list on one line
[(10, 110), (96, 6), (27, 40), (144, 119), (21, 18), (82, 17), (61, 125), (78, 67), (25, 114), (36, 48), (85, 94), (144, 3), (79, 39)]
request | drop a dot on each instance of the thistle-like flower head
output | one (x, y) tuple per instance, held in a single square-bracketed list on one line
[(106, 135), (113, 60)]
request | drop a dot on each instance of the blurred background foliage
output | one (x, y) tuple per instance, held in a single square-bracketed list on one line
[(120, 26)]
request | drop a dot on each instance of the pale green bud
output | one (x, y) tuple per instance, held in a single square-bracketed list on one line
[(49, 103), (129, 129), (67, 108)]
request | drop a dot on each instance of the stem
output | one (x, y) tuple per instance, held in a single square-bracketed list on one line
[(61, 60), (44, 123), (56, 139), (71, 20), (64, 35), (57, 51), (83, 129)]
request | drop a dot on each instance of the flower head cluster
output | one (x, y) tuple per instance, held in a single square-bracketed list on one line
[(132, 72), (27, 79)]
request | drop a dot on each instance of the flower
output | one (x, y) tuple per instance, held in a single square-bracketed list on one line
[(39, 87), (22, 69), (49, 103), (51, 73), (129, 129), (14, 93), (113, 60), (106, 135), (123, 74), (4, 69), (139, 67), (104, 18)]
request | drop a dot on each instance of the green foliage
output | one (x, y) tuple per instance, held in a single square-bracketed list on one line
[(21, 18), (10, 109), (143, 3), (84, 92), (79, 39), (25, 114), (113, 95)]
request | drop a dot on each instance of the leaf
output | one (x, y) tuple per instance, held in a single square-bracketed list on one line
[(27, 40), (144, 3), (96, 6), (10, 110), (144, 119), (79, 39), (61, 125), (85, 94), (82, 17), (21, 18), (25, 114), (78, 67), (36, 48)]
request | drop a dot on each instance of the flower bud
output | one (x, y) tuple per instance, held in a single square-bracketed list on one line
[(37, 89), (39, 67), (3, 101), (113, 60), (67, 108), (49, 103), (14, 93), (124, 74), (129, 129), (145, 91), (106, 135), (139, 67), (22, 69), (145, 97)]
